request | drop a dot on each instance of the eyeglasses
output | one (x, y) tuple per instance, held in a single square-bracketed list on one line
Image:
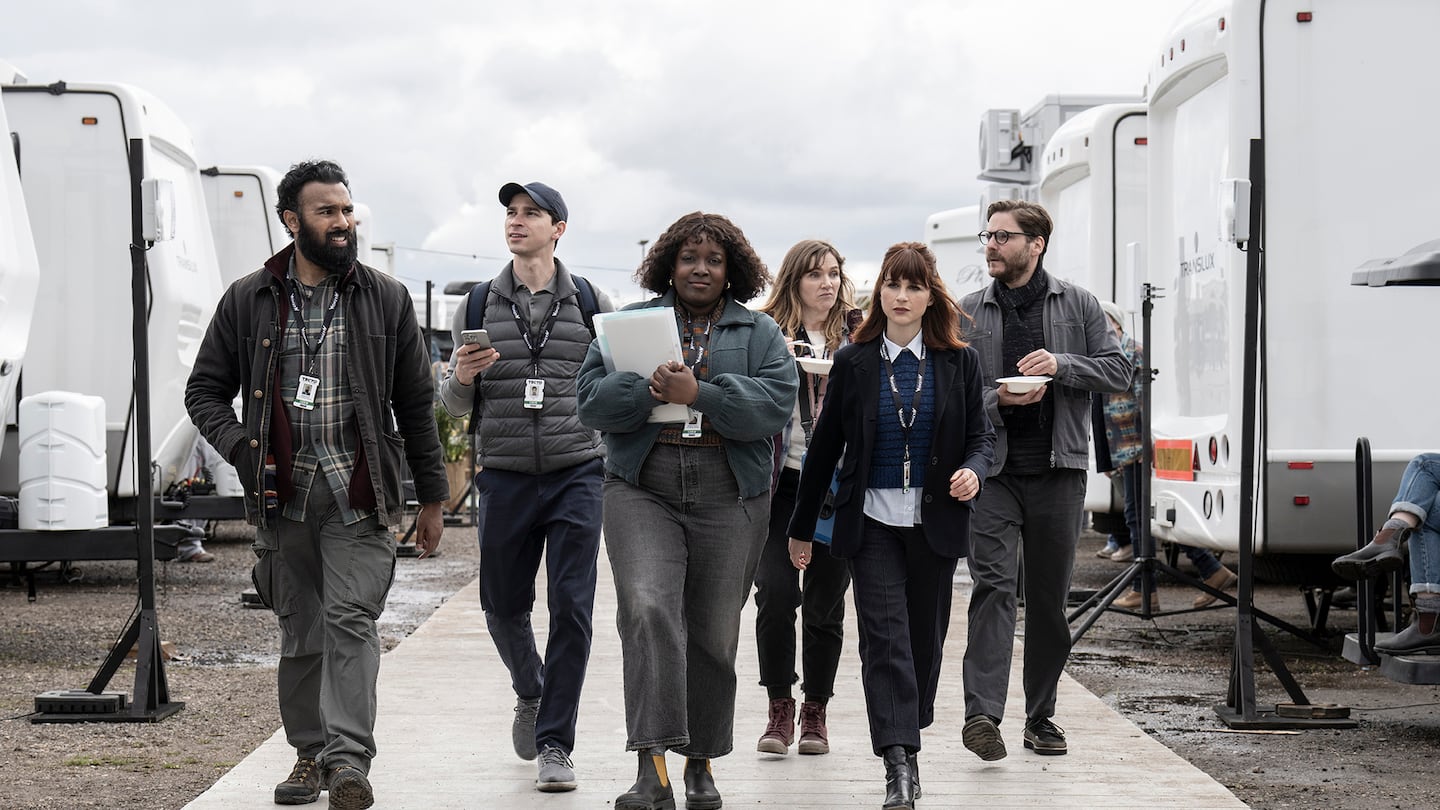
[(1000, 237)]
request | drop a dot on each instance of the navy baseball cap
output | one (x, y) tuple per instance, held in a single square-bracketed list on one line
[(543, 195)]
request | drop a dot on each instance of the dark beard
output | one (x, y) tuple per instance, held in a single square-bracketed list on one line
[(1012, 273), (318, 250)]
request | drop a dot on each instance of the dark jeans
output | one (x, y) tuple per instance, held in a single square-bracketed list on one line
[(521, 517), (903, 593), (778, 593)]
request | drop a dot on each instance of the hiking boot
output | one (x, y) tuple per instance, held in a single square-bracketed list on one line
[(303, 784), (700, 790), (1379, 556), (522, 731), (651, 790), (982, 737), (557, 772), (780, 731), (1222, 580), (349, 789), (1046, 738), (1132, 600), (814, 736)]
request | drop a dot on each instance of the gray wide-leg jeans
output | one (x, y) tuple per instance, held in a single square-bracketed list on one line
[(683, 547)]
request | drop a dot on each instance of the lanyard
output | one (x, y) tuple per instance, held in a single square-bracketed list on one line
[(905, 424), (690, 337), (530, 343), (295, 305)]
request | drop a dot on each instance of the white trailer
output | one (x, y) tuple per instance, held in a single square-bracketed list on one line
[(19, 270), (74, 143), (240, 201), (1092, 181), (1337, 90), (953, 236)]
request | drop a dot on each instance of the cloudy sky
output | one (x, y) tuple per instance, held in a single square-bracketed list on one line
[(849, 120)]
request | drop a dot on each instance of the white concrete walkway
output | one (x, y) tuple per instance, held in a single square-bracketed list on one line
[(444, 739)]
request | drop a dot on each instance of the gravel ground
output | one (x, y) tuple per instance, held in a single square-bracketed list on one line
[(1166, 675), (223, 671)]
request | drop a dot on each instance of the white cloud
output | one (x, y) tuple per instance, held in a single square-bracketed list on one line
[(851, 120)]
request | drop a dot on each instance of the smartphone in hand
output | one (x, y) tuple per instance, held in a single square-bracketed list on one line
[(475, 337)]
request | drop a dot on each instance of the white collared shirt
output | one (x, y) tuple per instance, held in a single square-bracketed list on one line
[(896, 507)]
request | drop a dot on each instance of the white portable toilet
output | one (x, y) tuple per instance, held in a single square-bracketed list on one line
[(62, 462)]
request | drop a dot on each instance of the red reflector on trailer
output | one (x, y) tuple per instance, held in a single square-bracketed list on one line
[(1300, 465), (1222, 23), (1173, 460), (89, 120), (1302, 500), (1304, 16), (1141, 141)]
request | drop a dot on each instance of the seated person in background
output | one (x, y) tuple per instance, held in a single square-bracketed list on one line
[(1412, 515)]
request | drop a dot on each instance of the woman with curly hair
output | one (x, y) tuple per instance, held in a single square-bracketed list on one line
[(687, 505), (811, 302), (906, 412)]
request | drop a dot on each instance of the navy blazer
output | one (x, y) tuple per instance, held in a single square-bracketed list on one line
[(962, 437)]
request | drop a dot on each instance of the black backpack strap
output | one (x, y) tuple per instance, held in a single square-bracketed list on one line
[(589, 304), (475, 307), (475, 319)]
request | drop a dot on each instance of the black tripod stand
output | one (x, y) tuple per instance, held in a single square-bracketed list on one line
[(1146, 566)]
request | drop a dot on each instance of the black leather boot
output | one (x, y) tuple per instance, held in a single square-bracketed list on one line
[(914, 760), (700, 790), (1379, 556), (899, 781), (651, 790)]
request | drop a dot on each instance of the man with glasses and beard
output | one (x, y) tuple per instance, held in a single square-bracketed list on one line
[(335, 380), (1029, 323)]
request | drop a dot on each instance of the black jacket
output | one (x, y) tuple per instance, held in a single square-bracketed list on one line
[(962, 437), (389, 369)]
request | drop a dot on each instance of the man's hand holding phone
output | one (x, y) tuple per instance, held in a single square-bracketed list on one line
[(473, 355)]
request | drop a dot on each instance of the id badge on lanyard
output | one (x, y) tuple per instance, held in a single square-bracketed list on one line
[(534, 393), (692, 425), (305, 392)]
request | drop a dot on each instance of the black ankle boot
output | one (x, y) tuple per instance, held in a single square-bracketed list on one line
[(899, 781), (914, 760), (651, 790), (700, 791)]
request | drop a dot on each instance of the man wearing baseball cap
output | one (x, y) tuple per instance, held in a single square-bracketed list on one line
[(541, 471)]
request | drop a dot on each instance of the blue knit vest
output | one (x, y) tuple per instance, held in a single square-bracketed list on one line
[(886, 462)]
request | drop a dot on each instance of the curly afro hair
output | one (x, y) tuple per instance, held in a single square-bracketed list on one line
[(744, 271)]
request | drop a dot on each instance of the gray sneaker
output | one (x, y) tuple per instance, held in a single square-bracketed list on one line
[(522, 731), (557, 772)]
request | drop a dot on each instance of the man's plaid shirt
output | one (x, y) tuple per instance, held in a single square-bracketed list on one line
[(325, 437)]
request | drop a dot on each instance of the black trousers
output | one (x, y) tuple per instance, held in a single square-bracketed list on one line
[(779, 592), (903, 593)]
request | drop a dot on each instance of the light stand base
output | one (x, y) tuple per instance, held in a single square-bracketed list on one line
[(1274, 720)]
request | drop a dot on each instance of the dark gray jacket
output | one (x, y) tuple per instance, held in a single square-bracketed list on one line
[(389, 369), (1085, 348), (513, 437)]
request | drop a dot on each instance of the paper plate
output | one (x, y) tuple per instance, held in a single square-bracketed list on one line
[(815, 365), (1022, 385)]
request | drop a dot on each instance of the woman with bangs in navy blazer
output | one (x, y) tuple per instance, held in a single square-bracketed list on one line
[(904, 409)]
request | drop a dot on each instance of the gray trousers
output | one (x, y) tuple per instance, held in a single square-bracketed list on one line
[(1038, 515), (327, 583), (683, 547)]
